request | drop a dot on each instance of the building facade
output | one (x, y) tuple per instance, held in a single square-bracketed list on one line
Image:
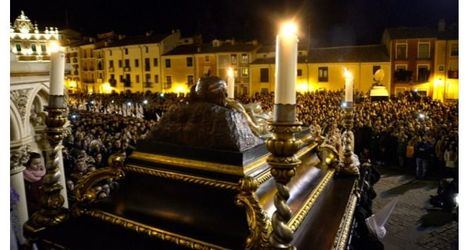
[(28, 42), (322, 69)]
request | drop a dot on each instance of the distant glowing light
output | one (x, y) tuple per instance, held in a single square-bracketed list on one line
[(347, 74), (230, 72), (129, 103), (302, 87), (145, 101), (112, 101), (92, 102), (288, 29), (54, 47), (181, 89), (421, 116)]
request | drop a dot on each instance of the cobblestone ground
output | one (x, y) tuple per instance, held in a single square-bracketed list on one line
[(404, 228)]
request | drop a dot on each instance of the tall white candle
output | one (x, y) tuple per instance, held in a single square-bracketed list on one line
[(348, 86), (57, 72), (230, 82), (286, 64)]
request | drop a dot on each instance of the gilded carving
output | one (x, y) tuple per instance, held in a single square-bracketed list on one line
[(258, 221), (19, 157), (20, 99), (177, 239)]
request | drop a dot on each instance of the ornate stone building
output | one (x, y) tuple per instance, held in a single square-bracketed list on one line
[(28, 43), (29, 91)]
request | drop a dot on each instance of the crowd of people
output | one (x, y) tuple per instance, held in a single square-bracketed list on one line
[(93, 137), (408, 130)]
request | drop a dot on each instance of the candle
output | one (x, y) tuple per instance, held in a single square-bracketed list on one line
[(286, 68), (57, 71), (230, 82), (348, 86)]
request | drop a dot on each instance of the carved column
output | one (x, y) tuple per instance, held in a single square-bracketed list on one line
[(283, 161), (52, 212), (18, 158), (348, 141)]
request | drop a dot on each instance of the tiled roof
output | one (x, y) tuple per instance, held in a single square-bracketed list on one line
[(363, 53), (208, 48), (189, 49), (134, 40), (411, 32)]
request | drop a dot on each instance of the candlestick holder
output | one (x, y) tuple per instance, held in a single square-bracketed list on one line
[(348, 167), (51, 212), (283, 147)]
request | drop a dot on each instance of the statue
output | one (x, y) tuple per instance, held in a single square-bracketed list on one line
[(211, 120)]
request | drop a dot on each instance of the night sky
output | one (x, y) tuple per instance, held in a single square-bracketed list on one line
[(330, 22)]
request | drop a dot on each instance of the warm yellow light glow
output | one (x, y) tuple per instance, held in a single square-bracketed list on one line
[(71, 84), (106, 88), (348, 74), (230, 72), (54, 47), (288, 29), (302, 87), (181, 88)]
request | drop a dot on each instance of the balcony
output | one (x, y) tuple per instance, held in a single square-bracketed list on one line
[(148, 84), (402, 75), (452, 74), (127, 69)]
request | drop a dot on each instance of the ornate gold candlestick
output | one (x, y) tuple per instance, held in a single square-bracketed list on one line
[(348, 140), (283, 161), (52, 211)]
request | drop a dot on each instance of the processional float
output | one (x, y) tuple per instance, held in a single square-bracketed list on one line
[(213, 174)]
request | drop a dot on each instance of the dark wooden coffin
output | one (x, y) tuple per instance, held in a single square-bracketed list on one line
[(177, 198)]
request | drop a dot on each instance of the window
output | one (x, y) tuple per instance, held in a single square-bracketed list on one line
[(190, 80), (137, 77), (156, 79), (126, 51), (147, 78), (189, 61), (137, 63), (452, 74), (423, 73), (120, 63), (424, 50), (441, 67), (168, 63), (127, 63), (121, 78), (323, 74), (168, 82), (155, 62), (147, 64), (146, 49), (207, 58), (33, 48), (402, 74), (43, 48), (233, 59), (454, 49), (127, 82), (18, 47), (245, 58), (112, 81), (299, 72), (401, 49), (111, 63), (110, 52), (375, 68), (264, 75), (245, 71)]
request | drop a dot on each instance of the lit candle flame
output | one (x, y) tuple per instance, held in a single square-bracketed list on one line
[(230, 72), (54, 47), (288, 29), (348, 74)]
